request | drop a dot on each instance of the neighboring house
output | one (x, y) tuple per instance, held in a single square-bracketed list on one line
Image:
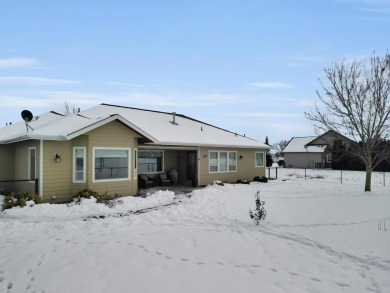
[(312, 151), (297, 154), (106, 147)]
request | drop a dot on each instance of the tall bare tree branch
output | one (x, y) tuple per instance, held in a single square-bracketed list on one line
[(354, 101)]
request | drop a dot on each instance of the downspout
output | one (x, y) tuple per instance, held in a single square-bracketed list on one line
[(198, 166), (41, 167)]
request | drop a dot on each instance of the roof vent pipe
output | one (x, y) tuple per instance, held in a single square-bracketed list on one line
[(174, 118)]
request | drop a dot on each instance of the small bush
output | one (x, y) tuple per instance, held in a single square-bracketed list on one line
[(260, 213), (20, 199), (109, 200), (85, 193)]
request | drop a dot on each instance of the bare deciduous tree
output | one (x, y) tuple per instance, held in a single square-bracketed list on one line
[(280, 145), (356, 104), (68, 111)]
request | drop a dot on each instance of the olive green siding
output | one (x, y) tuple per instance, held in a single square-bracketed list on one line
[(21, 150), (7, 158), (58, 185), (245, 167), (117, 135), (57, 176)]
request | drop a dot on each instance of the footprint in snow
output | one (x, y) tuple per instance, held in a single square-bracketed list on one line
[(184, 259), (1, 279), (293, 274), (274, 270), (316, 280), (342, 284), (158, 253)]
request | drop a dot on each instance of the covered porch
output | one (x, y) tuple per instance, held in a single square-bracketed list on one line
[(156, 164)]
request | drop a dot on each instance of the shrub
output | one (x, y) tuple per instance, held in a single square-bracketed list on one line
[(85, 193), (20, 199), (109, 200), (260, 212)]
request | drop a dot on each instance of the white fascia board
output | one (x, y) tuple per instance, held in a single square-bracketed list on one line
[(107, 120), (33, 137)]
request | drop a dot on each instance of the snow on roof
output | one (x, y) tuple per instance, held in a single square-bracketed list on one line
[(187, 131), (297, 145), (154, 125)]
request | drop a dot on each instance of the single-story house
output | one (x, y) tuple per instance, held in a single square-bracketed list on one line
[(312, 151), (297, 154), (107, 147)]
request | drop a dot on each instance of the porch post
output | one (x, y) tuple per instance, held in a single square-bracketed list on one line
[(40, 181)]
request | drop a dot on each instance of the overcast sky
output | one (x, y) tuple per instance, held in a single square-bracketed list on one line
[(249, 66)]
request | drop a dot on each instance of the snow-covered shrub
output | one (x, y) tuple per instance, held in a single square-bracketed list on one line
[(259, 213), (109, 200), (85, 193), (20, 199)]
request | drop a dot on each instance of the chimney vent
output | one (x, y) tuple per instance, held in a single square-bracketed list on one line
[(174, 118)]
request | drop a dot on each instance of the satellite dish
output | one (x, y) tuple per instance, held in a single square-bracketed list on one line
[(27, 115)]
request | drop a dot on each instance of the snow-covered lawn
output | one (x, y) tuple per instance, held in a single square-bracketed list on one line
[(319, 236)]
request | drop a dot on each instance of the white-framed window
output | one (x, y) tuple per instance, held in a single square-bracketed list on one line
[(150, 161), (32, 163), (110, 164), (222, 161), (79, 164), (259, 159)]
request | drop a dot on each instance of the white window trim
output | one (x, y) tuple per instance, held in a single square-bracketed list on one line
[(218, 152), (135, 163), (85, 165), (256, 161), (116, 179), (162, 160), (29, 163)]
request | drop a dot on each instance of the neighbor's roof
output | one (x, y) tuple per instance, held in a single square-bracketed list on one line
[(297, 145), (155, 126)]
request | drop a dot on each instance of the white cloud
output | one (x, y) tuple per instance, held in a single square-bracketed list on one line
[(29, 80), (18, 62), (271, 85)]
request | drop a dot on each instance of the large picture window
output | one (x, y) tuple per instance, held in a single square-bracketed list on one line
[(259, 159), (111, 164), (222, 161), (150, 161), (79, 164)]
